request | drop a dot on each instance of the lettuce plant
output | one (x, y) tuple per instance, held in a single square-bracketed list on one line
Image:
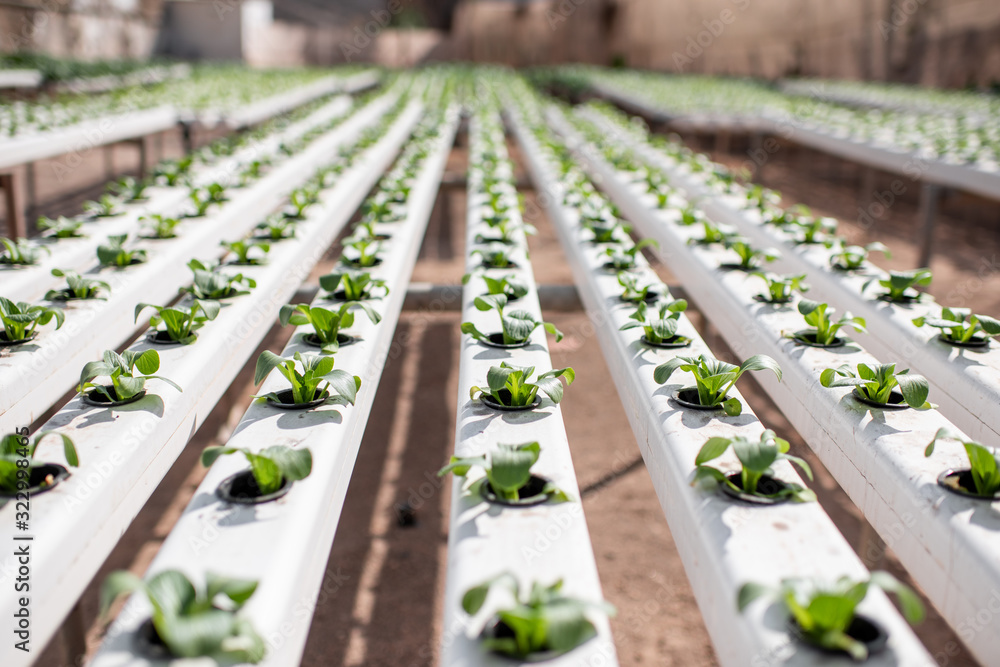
[(129, 189), (507, 232), (179, 323), (621, 259), (122, 370), (276, 228), (658, 323), (511, 386), (159, 226), (959, 325), (509, 285), (201, 200), (194, 621), (633, 290), (876, 384), (983, 464), (507, 468), (714, 378), (494, 257), (20, 319), (21, 252), (823, 330), (356, 285), (852, 257), (301, 199), (756, 458), (248, 253), (106, 206), (317, 380), (15, 448), (713, 233), (173, 171), (780, 288), (690, 216), (606, 231), (751, 258), (823, 613), (516, 325), (545, 621), (214, 285), (61, 228), (326, 323), (270, 467), (77, 287), (114, 253), (812, 230), (361, 252), (900, 286)]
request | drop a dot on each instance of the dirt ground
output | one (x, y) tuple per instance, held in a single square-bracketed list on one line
[(388, 612)]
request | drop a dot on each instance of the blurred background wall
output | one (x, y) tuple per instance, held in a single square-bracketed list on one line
[(951, 43)]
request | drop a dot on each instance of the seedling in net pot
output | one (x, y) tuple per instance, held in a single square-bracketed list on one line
[(621, 259), (20, 319), (714, 379), (106, 206), (878, 385), (508, 232), (756, 458), (21, 252), (271, 467), (983, 477), (18, 465), (494, 257), (811, 230), (690, 216), (960, 327), (713, 233), (180, 324), (607, 231), (317, 382), (214, 285), (751, 258), (516, 325), (172, 172), (901, 285), (194, 621), (61, 228), (246, 252), (326, 323), (853, 257), (541, 625), (159, 226), (353, 285), (361, 252), (122, 370), (780, 288), (823, 330), (129, 189), (276, 228), (509, 285), (77, 287), (508, 474), (511, 386), (824, 614), (115, 254), (659, 322), (301, 199)]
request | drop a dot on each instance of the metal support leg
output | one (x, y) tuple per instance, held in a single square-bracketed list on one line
[(74, 636), (929, 195), (31, 186), (14, 206)]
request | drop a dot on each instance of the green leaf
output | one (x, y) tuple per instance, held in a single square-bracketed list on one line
[(267, 362), (712, 449), (118, 583), (237, 590), (198, 634), (914, 389), (294, 464), (266, 472), (170, 592), (912, 607), (148, 362), (760, 362), (732, 407), (749, 592), (344, 384)]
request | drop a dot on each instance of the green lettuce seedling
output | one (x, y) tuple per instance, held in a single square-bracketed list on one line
[(121, 369), (633, 290), (751, 258), (516, 325), (815, 230), (362, 252), (509, 285), (20, 319), (15, 448), (115, 254), (317, 380), (173, 171), (77, 287), (511, 386), (852, 257), (714, 378), (507, 468), (21, 252), (181, 324), (159, 226), (780, 288), (824, 612), (544, 621), (325, 323), (690, 216), (959, 325), (194, 622), (823, 329), (214, 285), (713, 233), (301, 199), (658, 323), (276, 228), (248, 253), (507, 232), (900, 285), (756, 458), (876, 384), (62, 227), (270, 467), (106, 206), (129, 189), (982, 462), (357, 285), (607, 231), (621, 259), (495, 257)]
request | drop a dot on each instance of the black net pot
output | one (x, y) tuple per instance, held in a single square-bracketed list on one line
[(285, 396), (242, 488), (496, 340), (101, 401), (766, 299), (960, 482), (532, 493), (6, 342), (497, 629), (491, 402), (896, 400), (688, 398), (42, 478), (162, 338), (343, 340), (668, 344), (766, 484), (976, 342), (808, 338), (862, 629)]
